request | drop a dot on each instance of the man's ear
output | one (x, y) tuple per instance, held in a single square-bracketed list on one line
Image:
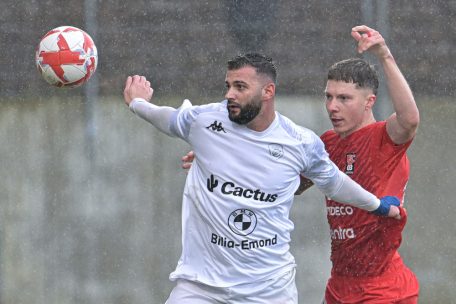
[(371, 98), (269, 91)]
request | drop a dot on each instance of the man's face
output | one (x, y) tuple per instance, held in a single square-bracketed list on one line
[(349, 107), (244, 94)]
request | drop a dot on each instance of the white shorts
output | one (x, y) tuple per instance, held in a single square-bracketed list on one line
[(277, 290)]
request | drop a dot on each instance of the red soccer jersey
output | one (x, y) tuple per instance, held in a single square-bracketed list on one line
[(363, 244)]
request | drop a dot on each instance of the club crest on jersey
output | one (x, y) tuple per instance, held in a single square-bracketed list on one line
[(242, 221), (350, 163), (276, 150)]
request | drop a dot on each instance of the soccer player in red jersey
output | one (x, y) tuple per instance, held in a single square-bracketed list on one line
[(366, 267)]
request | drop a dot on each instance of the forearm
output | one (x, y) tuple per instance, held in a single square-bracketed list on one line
[(401, 95), (158, 116), (346, 191)]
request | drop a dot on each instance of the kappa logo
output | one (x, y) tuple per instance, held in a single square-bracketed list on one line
[(230, 188), (276, 150), (216, 126), (350, 159)]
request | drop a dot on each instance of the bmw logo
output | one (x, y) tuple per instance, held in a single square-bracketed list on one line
[(242, 221)]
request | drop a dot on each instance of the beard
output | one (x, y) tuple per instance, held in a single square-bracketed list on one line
[(246, 113)]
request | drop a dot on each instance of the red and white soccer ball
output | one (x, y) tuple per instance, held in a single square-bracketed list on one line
[(66, 57)]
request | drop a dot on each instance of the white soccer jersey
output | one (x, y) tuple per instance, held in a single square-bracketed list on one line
[(238, 194)]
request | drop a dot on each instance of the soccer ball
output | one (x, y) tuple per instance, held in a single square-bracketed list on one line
[(66, 57)]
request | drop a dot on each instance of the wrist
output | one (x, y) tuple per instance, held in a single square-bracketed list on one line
[(136, 100), (387, 57), (385, 204)]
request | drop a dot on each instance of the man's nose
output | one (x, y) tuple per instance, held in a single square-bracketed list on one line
[(229, 94), (331, 106)]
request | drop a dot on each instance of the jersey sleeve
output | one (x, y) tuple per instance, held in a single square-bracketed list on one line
[(182, 120), (318, 167)]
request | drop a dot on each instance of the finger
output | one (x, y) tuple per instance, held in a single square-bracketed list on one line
[(127, 88), (394, 212), (135, 79), (356, 35), (364, 31), (362, 28), (186, 166), (148, 83), (188, 157), (366, 40), (128, 83)]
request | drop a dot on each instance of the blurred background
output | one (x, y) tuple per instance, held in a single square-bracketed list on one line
[(90, 195)]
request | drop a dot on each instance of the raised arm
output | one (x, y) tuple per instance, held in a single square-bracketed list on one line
[(137, 95), (403, 123)]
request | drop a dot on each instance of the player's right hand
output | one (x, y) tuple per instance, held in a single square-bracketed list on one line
[(137, 87)]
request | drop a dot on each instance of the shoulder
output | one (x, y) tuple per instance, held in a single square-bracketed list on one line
[(205, 108), (188, 115), (297, 132)]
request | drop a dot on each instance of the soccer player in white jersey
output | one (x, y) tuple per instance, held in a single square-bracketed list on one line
[(239, 191)]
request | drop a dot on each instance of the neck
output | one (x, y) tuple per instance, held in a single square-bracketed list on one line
[(264, 119), (366, 122)]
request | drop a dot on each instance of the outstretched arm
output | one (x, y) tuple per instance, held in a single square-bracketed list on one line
[(343, 189), (401, 125)]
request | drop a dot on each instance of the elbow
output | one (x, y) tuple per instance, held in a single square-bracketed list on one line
[(413, 121), (410, 121)]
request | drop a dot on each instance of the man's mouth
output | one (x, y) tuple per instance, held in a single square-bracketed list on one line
[(336, 121), (233, 106)]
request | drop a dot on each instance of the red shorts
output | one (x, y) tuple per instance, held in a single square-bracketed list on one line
[(397, 285)]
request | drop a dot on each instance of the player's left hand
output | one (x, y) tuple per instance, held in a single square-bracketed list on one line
[(370, 40), (187, 160), (389, 206)]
